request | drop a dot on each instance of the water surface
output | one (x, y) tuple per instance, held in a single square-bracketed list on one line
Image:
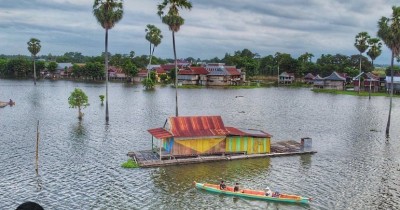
[(355, 167)]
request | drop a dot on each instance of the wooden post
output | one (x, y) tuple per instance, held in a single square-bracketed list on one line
[(152, 140), (369, 95), (37, 148), (160, 147)]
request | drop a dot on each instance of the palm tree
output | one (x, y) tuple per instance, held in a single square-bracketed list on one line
[(389, 32), (375, 50), (154, 37), (107, 13), (34, 48), (174, 21), (361, 45)]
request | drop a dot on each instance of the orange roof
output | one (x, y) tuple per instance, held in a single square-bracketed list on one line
[(159, 133), (199, 70), (232, 70), (196, 126)]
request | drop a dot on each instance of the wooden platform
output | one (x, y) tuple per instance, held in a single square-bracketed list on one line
[(148, 158)]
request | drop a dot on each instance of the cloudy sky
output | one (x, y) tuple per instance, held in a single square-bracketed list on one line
[(212, 28)]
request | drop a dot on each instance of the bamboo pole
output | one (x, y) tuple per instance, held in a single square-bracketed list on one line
[(37, 148)]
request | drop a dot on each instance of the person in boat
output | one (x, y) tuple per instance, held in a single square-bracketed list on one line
[(11, 102), (268, 192), (222, 185), (236, 188), (275, 194)]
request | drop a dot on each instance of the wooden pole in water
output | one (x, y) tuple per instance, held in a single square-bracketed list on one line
[(37, 148)]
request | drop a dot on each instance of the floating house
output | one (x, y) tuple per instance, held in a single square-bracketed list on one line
[(334, 81), (309, 78), (286, 78), (396, 83), (189, 136), (192, 76), (368, 81), (318, 82)]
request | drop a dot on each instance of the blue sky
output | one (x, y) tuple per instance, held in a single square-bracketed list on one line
[(211, 29)]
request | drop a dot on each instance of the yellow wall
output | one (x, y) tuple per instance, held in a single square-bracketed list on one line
[(249, 144), (199, 145)]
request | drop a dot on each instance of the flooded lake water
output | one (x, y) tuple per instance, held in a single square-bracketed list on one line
[(355, 167)]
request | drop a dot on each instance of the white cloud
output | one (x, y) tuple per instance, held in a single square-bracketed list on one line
[(211, 29)]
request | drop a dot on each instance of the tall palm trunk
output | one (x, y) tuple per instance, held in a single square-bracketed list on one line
[(176, 75), (148, 66), (106, 47), (391, 96), (359, 78), (34, 70), (151, 56)]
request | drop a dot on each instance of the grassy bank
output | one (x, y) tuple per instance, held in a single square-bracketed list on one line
[(353, 93)]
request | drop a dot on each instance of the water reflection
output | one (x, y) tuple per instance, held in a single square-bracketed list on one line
[(305, 161)]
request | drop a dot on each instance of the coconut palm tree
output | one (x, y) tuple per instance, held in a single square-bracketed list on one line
[(361, 44), (168, 11), (107, 13), (154, 36), (34, 48), (375, 50), (389, 32)]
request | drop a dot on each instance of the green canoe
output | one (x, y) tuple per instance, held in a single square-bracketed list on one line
[(253, 194)]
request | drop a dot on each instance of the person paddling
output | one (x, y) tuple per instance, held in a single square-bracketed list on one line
[(222, 185)]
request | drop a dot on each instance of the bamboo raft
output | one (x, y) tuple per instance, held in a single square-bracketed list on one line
[(149, 158)]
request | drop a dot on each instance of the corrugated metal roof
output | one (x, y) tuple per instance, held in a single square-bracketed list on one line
[(335, 77), (196, 126), (232, 71), (160, 133), (199, 70), (309, 76), (247, 132)]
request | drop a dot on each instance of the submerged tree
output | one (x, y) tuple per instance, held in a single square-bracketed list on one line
[(78, 99), (389, 32), (107, 13), (34, 48), (154, 36), (168, 11)]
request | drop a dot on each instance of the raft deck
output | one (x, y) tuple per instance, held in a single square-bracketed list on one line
[(149, 158)]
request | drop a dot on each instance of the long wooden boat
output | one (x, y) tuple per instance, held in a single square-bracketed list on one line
[(253, 194), (3, 104)]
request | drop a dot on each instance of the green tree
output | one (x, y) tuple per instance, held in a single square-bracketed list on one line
[(34, 48), (3, 65), (129, 69), (375, 50), (107, 13), (52, 66), (18, 67), (78, 99), (77, 70), (154, 36), (168, 11), (40, 66), (389, 32)]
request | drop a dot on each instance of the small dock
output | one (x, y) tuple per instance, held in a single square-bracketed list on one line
[(149, 158)]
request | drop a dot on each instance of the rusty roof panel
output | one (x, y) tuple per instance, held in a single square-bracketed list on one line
[(247, 132), (195, 126), (160, 133)]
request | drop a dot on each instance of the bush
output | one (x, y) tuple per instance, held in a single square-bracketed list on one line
[(130, 164)]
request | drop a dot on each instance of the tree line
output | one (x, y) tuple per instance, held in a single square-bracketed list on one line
[(252, 63)]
